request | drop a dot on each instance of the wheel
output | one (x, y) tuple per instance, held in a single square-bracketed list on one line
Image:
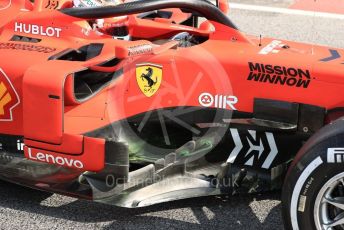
[(313, 191)]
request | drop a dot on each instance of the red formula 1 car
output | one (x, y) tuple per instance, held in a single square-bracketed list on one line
[(151, 105)]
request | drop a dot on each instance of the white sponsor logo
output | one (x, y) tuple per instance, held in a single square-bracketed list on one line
[(335, 155), (20, 145), (140, 49), (86, 31), (267, 143), (273, 47), (218, 101), (48, 158), (87, 3), (37, 30)]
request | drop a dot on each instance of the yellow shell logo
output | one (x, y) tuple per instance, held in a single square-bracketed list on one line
[(149, 77), (5, 98), (9, 98)]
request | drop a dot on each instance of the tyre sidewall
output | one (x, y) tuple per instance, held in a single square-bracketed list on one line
[(311, 184)]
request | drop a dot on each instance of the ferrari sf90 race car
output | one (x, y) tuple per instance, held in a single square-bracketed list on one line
[(141, 102)]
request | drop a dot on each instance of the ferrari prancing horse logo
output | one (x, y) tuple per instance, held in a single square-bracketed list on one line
[(52, 4), (9, 98), (149, 77)]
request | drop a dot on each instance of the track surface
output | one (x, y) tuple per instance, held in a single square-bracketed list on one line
[(22, 208)]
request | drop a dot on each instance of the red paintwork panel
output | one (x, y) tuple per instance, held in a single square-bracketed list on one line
[(229, 66), (70, 144), (91, 159)]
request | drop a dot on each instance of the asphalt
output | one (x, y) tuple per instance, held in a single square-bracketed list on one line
[(309, 29), (23, 208)]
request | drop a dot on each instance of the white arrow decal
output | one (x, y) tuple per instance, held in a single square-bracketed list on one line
[(273, 152), (259, 148), (238, 146)]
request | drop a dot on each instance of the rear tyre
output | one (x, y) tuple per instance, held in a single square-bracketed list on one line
[(313, 192)]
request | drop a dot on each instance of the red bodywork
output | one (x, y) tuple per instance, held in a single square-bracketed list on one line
[(43, 108)]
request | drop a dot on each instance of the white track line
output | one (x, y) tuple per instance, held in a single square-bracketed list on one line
[(269, 9)]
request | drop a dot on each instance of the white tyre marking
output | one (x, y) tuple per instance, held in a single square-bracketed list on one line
[(297, 190), (302, 203)]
